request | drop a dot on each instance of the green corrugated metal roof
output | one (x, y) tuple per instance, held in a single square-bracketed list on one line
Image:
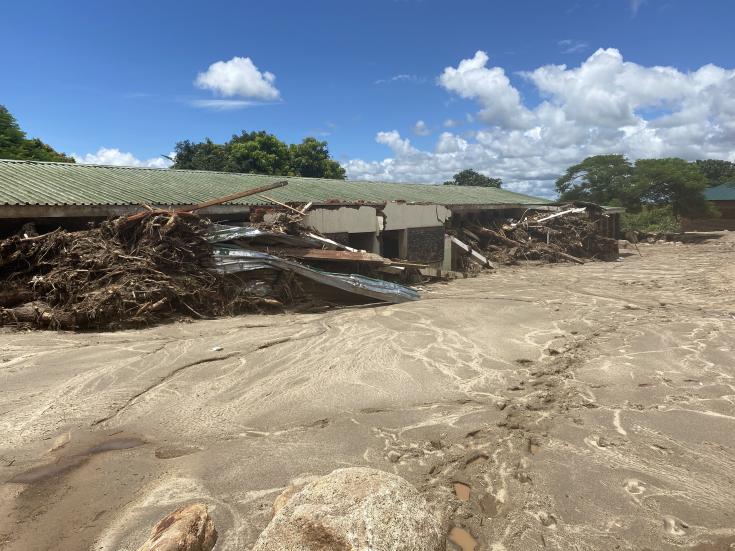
[(41, 183), (723, 192)]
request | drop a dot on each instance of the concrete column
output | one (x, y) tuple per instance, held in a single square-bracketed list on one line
[(447, 260), (376, 244), (403, 244)]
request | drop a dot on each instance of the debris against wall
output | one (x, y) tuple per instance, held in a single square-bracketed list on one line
[(158, 265)]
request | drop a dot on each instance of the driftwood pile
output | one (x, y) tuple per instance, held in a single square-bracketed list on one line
[(127, 272), (568, 236)]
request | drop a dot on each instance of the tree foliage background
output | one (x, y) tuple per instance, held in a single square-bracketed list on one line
[(15, 145), (471, 177), (259, 153), (613, 180), (717, 172)]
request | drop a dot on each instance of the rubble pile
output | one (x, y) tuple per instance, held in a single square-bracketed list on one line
[(158, 265), (123, 273), (567, 236)]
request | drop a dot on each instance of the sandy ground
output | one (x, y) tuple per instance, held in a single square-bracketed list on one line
[(583, 407)]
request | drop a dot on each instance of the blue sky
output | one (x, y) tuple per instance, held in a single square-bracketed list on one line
[(93, 75)]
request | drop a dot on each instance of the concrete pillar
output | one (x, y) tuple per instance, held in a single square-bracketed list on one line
[(376, 243), (447, 260), (403, 244)]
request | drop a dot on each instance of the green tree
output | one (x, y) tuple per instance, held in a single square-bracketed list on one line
[(311, 158), (471, 177), (649, 183), (716, 171), (206, 155), (674, 182), (259, 153), (602, 179), (15, 145)]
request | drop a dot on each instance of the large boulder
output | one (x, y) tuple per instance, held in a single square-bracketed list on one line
[(354, 509), (188, 528)]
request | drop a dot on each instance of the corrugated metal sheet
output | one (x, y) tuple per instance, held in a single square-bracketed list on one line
[(723, 192), (41, 183)]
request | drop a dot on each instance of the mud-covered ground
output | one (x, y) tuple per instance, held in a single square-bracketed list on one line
[(574, 407)]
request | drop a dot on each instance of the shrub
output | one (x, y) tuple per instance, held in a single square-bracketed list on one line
[(659, 219)]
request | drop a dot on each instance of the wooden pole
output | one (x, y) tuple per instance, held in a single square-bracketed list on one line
[(238, 195), (297, 211), (210, 203)]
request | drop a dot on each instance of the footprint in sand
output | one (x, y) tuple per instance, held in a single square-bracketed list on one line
[(634, 486), (490, 505), (674, 526), (547, 519)]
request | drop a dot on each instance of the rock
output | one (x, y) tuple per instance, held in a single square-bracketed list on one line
[(354, 509), (294, 488), (188, 528)]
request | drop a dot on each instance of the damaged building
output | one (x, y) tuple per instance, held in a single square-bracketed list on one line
[(404, 221), (107, 247)]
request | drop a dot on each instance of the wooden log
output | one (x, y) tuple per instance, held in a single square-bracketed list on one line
[(38, 314), (561, 254), (233, 197), (562, 213), (284, 205), (474, 255), (15, 296), (210, 203), (499, 237)]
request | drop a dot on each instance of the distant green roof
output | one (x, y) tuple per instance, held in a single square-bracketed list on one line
[(723, 192), (41, 183)]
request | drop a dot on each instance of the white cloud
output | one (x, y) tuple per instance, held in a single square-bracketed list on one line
[(570, 46), (635, 5), (222, 104), (501, 103), (420, 128), (115, 157), (401, 78), (452, 123), (239, 77), (604, 105)]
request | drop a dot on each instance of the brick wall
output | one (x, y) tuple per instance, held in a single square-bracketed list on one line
[(426, 245)]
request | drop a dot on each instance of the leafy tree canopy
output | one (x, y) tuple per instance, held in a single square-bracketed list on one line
[(260, 153), (311, 158), (674, 182), (602, 179), (471, 177), (614, 180), (15, 145), (717, 172)]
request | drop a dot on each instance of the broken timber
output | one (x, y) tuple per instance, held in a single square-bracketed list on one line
[(206, 204), (297, 211), (473, 254)]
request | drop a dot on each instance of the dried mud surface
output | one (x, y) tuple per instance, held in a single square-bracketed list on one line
[(553, 407)]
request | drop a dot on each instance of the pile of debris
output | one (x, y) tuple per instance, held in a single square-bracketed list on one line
[(158, 265), (119, 274), (569, 235)]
